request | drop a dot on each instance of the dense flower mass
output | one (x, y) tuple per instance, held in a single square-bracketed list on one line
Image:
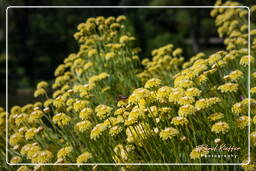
[(103, 107)]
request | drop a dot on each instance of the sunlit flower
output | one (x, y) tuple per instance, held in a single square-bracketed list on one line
[(121, 18), (176, 94), (186, 100), (242, 122), (238, 108), (102, 111), (198, 152), (206, 103), (39, 92), (83, 126), (163, 93), (153, 83), (42, 157), (61, 119), (168, 133), (245, 60), (253, 90), (31, 133), (98, 130), (193, 92), (228, 87), (42, 84), (35, 116), (84, 157), (86, 113), (64, 152), (235, 75), (115, 130), (16, 159), (187, 110), (135, 115), (80, 105), (110, 55), (179, 120), (220, 127)]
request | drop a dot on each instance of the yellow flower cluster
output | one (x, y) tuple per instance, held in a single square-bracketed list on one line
[(101, 112), (165, 59)]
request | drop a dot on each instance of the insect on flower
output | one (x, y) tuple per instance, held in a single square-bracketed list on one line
[(121, 98)]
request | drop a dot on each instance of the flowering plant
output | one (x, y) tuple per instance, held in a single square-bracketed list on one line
[(107, 108)]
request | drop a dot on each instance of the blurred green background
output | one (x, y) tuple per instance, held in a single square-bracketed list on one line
[(40, 38)]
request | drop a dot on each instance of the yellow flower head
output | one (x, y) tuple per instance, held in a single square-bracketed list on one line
[(121, 18), (115, 26), (135, 115), (92, 53), (168, 133), (39, 92), (42, 157), (21, 118), (102, 111), (83, 126), (198, 152), (125, 38), (184, 83), (64, 152), (214, 58), (84, 157), (87, 66), (245, 60), (238, 108), (245, 102), (110, 55), (110, 20), (220, 127), (42, 84), (138, 95), (35, 116), (16, 139), (115, 130), (206, 103), (86, 113), (80, 105), (253, 90), (16, 159), (30, 150), (228, 87), (31, 133), (98, 130), (179, 120), (235, 75), (177, 52), (153, 83), (186, 100), (176, 94), (163, 93), (242, 122), (193, 92), (61, 119), (186, 110)]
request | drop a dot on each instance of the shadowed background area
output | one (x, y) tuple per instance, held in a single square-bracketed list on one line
[(40, 38)]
